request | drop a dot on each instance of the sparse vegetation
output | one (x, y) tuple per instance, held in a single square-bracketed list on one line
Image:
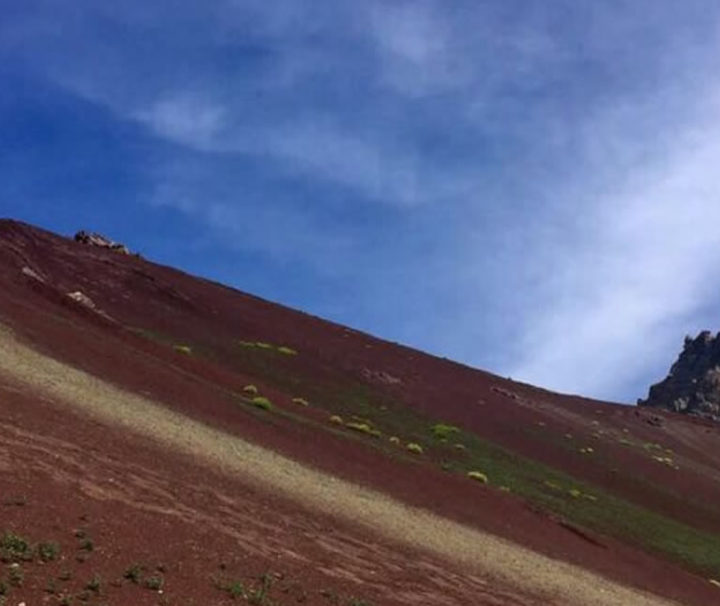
[(414, 448), (365, 428), (251, 389), (288, 351), (183, 349), (478, 476), (155, 583), (94, 584), (48, 551), (336, 420), (261, 402), (14, 548), (443, 431), (134, 573), (301, 401)]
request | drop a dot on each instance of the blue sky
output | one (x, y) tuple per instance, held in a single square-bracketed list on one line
[(531, 187)]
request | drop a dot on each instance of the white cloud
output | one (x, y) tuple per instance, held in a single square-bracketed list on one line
[(186, 120), (650, 259)]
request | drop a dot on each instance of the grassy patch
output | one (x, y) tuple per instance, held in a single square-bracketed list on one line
[(443, 431), (261, 402), (183, 349)]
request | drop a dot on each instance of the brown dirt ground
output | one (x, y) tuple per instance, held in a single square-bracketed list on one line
[(139, 294), (494, 563)]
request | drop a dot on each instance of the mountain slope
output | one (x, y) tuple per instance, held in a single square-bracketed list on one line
[(581, 481)]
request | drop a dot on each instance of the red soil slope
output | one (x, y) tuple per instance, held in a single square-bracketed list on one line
[(143, 310)]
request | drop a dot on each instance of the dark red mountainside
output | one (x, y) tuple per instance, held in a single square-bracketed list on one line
[(101, 502)]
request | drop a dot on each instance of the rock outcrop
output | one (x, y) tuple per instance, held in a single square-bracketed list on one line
[(693, 384), (100, 241)]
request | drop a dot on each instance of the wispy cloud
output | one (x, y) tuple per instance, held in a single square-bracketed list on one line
[(527, 188)]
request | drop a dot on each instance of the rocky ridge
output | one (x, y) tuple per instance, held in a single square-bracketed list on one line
[(693, 383)]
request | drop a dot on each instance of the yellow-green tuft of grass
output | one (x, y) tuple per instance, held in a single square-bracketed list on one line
[(575, 493), (414, 448), (459, 446), (301, 401), (183, 349), (394, 440), (365, 428), (288, 351), (443, 431), (478, 476), (336, 420), (252, 389), (261, 402), (263, 345)]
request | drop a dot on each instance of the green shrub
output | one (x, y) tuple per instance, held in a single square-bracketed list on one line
[(235, 589), (94, 584), (414, 448), (134, 573), (442, 431), (14, 547), (155, 583), (48, 551), (261, 402)]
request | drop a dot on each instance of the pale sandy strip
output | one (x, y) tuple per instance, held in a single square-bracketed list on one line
[(490, 555)]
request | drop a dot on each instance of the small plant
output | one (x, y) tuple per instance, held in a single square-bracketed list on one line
[(575, 493), (134, 573), (94, 584), (261, 402), (442, 431), (301, 401), (263, 345), (478, 476), (155, 583), (336, 420), (414, 448), (183, 349), (394, 440), (251, 389), (288, 351), (14, 547), (236, 590), (459, 446), (361, 427), (87, 544), (48, 551), (16, 576), (259, 596)]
